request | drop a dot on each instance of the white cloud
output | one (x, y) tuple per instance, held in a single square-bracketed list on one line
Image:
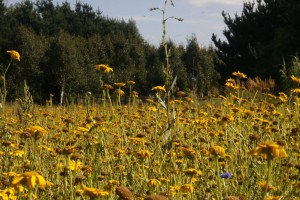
[(207, 2)]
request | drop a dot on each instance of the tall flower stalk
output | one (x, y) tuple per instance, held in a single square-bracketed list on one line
[(169, 84), (268, 151), (103, 69), (14, 55)]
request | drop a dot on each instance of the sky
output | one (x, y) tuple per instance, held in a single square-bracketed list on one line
[(201, 18)]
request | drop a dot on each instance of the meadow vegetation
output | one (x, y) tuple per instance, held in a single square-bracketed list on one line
[(240, 145), (115, 144)]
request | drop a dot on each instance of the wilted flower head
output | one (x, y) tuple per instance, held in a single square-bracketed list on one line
[(134, 94), (119, 92), (14, 55), (107, 87), (187, 188), (124, 193)]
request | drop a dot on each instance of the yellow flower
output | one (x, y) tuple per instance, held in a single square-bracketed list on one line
[(192, 171), (187, 188), (159, 88), (174, 189), (107, 70), (101, 66), (152, 108), (144, 154), (75, 165), (264, 186), (269, 150), (18, 153), (120, 84), (217, 150), (190, 153), (239, 74), (111, 185), (14, 55), (296, 90), (231, 85), (154, 182), (9, 174), (130, 82), (30, 179), (92, 192), (83, 129), (137, 140), (8, 194), (283, 97), (295, 79), (227, 118), (36, 131)]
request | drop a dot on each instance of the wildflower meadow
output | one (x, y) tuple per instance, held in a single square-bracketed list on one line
[(237, 146)]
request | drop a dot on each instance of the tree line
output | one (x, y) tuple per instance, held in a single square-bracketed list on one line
[(60, 46), (263, 41)]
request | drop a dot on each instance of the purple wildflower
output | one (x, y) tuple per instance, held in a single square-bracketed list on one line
[(226, 175)]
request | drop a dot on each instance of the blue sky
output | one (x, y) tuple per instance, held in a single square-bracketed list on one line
[(201, 18)]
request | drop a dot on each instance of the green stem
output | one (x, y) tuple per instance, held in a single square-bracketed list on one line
[(104, 98), (4, 87), (107, 91), (269, 159), (30, 194), (218, 178)]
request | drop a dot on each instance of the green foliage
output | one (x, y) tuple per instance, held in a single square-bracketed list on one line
[(60, 47), (258, 39), (201, 67), (293, 68)]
